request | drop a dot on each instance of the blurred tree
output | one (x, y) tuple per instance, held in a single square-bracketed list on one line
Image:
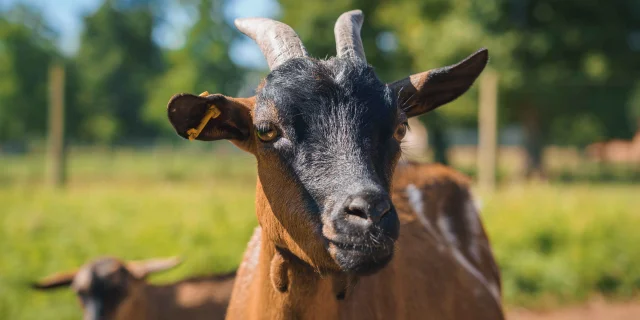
[(634, 107), (116, 62), (573, 60), (26, 50), (203, 64)]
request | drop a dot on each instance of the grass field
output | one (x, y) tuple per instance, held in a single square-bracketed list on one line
[(556, 244)]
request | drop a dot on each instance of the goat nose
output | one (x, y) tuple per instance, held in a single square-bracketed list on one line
[(367, 206)]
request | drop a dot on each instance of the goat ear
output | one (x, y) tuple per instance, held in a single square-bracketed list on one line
[(423, 92), (54, 281), (141, 269), (210, 117)]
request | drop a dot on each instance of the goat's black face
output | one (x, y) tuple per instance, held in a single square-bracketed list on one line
[(326, 134), (101, 287), (329, 135)]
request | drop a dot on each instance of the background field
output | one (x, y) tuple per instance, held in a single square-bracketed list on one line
[(562, 79), (556, 244)]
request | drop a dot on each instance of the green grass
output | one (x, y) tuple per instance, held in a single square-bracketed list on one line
[(129, 208), (554, 243), (559, 244)]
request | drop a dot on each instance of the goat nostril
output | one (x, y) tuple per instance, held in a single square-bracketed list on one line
[(357, 212), (358, 207), (368, 210)]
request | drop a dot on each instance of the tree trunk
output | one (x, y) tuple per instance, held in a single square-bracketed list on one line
[(437, 137), (534, 144)]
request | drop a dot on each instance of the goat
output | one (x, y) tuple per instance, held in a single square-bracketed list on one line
[(108, 288), (616, 151), (329, 200)]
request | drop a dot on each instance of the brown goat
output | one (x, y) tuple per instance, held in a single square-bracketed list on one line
[(347, 231), (443, 267), (616, 151), (108, 288)]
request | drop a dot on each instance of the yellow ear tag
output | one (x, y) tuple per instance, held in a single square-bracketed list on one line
[(212, 113)]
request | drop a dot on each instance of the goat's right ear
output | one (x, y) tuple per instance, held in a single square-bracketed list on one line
[(141, 269), (423, 92), (63, 279), (213, 117)]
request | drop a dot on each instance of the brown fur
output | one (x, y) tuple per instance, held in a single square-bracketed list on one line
[(194, 298), (425, 280)]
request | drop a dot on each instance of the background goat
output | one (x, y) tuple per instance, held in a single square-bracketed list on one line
[(108, 288), (616, 151)]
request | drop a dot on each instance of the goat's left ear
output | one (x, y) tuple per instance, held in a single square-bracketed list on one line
[(210, 117), (54, 281), (141, 269), (423, 92)]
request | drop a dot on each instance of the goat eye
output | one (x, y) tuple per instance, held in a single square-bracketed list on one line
[(266, 132), (401, 131)]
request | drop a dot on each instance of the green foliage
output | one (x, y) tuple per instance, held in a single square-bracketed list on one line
[(579, 130), (634, 107), (597, 173), (564, 244), (571, 69), (120, 80), (26, 51), (116, 60)]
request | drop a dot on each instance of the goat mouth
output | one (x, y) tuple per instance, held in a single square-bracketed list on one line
[(360, 247), (361, 258)]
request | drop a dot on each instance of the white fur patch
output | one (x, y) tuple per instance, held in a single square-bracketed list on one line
[(472, 217), (476, 202), (473, 271), (415, 198), (417, 203), (251, 260), (444, 224)]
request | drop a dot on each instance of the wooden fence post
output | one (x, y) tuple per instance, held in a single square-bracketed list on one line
[(56, 153), (488, 130)]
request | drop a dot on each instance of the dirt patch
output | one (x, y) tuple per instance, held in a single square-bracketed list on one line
[(594, 310)]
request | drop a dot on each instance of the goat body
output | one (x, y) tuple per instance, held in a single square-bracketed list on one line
[(443, 267), (108, 288), (196, 298), (616, 151)]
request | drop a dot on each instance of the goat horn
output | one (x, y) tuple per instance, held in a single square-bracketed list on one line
[(347, 31), (277, 41)]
